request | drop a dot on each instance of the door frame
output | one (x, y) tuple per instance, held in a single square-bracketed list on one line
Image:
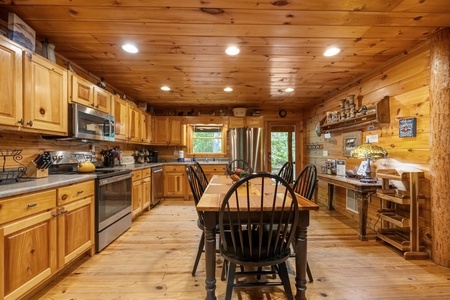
[(299, 155)]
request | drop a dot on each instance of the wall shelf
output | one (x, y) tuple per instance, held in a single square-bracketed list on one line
[(379, 117)]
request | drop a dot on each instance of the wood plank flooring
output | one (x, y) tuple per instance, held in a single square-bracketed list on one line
[(153, 260)]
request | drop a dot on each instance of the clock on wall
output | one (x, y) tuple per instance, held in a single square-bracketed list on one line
[(282, 113)]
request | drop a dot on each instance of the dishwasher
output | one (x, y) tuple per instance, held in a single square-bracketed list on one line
[(157, 186)]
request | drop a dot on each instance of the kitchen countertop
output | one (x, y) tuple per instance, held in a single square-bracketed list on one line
[(28, 185)]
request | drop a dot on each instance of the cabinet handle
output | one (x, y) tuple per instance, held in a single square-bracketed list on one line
[(97, 106), (80, 192), (30, 123), (28, 54), (30, 205), (92, 104), (20, 122), (63, 211), (64, 197)]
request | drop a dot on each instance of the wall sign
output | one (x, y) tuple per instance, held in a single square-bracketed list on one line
[(407, 127)]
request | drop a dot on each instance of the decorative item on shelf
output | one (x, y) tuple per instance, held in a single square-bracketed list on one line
[(102, 83), (367, 152), (239, 111)]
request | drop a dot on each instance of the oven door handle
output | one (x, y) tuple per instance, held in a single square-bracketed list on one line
[(113, 179)]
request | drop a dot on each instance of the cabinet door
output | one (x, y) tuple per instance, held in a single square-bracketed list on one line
[(148, 131), (146, 193), (136, 198), (28, 254), (10, 85), (174, 185), (82, 91), (102, 99), (134, 124), (177, 135), (120, 112), (45, 95), (160, 131), (75, 230)]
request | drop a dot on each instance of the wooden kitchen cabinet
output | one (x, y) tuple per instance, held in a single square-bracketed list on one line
[(34, 92), (11, 86), (41, 232), (241, 122), (211, 169), (141, 191), (75, 219), (134, 123), (120, 112), (44, 95), (168, 131), (88, 94), (175, 182)]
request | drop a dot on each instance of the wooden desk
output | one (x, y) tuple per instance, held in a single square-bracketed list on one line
[(210, 204), (362, 190)]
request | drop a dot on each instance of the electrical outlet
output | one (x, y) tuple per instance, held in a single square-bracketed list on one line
[(325, 153)]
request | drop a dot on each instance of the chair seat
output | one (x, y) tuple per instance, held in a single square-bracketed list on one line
[(248, 254)]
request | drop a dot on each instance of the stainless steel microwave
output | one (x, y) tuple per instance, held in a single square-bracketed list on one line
[(90, 124)]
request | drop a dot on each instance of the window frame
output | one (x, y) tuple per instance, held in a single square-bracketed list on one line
[(190, 141)]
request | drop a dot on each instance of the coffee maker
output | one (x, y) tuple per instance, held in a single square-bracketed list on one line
[(153, 156)]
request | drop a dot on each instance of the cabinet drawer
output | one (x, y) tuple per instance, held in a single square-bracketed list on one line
[(76, 191), (26, 205), (175, 169), (136, 175), (146, 173), (216, 169)]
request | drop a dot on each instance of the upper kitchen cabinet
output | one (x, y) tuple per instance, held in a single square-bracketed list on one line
[(86, 93), (33, 95), (120, 112), (135, 118), (168, 131), (241, 122), (10, 85), (44, 95)]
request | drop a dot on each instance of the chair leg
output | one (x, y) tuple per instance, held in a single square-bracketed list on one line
[(199, 253), (224, 270), (230, 280), (308, 270), (284, 276)]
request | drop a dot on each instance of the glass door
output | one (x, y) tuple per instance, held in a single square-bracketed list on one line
[(281, 146)]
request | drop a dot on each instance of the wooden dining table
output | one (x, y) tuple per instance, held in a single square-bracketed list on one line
[(210, 204)]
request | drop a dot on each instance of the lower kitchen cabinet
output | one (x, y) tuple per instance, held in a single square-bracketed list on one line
[(39, 237), (175, 182), (141, 192)]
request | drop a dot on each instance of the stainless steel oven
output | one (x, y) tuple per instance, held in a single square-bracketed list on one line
[(112, 206)]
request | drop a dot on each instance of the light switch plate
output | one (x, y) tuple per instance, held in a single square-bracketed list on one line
[(325, 153), (373, 138)]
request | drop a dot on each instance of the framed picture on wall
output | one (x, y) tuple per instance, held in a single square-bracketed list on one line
[(350, 140)]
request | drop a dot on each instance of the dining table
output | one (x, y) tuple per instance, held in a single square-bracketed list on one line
[(210, 205)]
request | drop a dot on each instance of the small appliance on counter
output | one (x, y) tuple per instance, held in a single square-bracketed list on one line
[(181, 156)]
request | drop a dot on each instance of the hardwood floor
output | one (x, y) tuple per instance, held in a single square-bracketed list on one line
[(153, 260)]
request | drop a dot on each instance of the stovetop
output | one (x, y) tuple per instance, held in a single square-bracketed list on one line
[(101, 172)]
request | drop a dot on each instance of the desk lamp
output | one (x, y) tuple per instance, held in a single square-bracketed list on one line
[(368, 152)]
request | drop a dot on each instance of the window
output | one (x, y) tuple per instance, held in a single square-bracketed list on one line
[(207, 139)]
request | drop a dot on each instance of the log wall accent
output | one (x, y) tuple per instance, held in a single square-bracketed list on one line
[(439, 152), (406, 81)]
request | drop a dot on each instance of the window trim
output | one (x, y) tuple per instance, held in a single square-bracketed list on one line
[(190, 147)]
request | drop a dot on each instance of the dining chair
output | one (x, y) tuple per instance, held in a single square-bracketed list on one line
[(257, 229), (238, 164), (304, 185), (287, 171), (201, 174), (197, 190)]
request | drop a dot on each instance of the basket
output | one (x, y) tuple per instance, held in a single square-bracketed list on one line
[(239, 111)]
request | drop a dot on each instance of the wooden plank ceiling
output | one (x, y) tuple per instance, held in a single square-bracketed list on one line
[(182, 43)]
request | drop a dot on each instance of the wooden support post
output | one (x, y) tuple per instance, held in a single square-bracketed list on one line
[(440, 146)]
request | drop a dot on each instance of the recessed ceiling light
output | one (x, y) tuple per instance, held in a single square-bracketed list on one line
[(130, 48), (232, 50), (331, 51), (228, 89), (289, 89), (165, 88)]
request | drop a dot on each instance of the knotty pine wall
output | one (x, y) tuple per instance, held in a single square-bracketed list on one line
[(406, 80)]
